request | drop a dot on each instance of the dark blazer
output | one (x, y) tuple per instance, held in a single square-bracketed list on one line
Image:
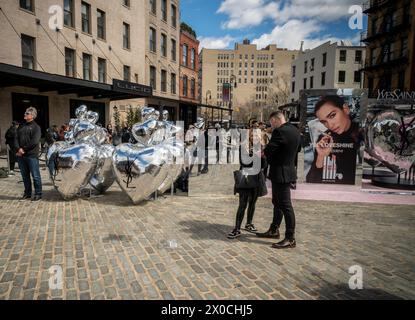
[(281, 153)]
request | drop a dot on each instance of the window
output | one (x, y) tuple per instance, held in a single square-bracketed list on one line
[(100, 24), (126, 36), (357, 76), (311, 82), (305, 83), (305, 66), (293, 71), (193, 88), (173, 16), (69, 62), (163, 45), (127, 73), (185, 80), (184, 58), (358, 56), (343, 55), (68, 13), (324, 59), (312, 65), (173, 49), (163, 80), (193, 59), (86, 17), (323, 78), (153, 78), (126, 3), (153, 40), (28, 52), (173, 83), (164, 10), (87, 66), (27, 5), (153, 6), (342, 76), (102, 70), (293, 86)]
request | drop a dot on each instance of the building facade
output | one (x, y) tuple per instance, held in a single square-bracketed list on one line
[(329, 66), (254, 75), (189, 77), (390, 38), (95, 54), (162, 72)]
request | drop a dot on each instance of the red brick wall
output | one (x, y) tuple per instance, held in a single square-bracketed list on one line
[(192, 43)]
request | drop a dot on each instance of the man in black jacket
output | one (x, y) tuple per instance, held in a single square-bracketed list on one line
[(27, 146), (281, 152), (10, 138)]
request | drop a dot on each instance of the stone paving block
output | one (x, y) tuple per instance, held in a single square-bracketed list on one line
[(114, 250)]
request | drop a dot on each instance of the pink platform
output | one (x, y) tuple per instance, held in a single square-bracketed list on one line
[(347, 193)]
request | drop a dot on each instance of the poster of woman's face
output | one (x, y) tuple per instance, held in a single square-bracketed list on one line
[(332, 139)]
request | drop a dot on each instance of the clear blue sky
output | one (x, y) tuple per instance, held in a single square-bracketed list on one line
[(219, 23)]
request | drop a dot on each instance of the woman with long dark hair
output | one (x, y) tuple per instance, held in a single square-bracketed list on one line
[(336, 148)]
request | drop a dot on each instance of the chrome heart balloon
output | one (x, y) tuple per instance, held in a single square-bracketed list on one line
[(52, 154), (92, 117), (140, 171), (175, 163), (143, 132), (103, 177), (84, 131), (390, 138), (74, 167), (200, 123), (81, 112)]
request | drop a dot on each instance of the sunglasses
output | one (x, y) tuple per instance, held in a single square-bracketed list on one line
[(27, 113)]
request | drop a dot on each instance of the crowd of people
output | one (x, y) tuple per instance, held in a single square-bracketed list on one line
[(279, 145)]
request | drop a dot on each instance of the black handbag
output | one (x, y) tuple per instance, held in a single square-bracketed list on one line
[(244, 181), (263, 190)]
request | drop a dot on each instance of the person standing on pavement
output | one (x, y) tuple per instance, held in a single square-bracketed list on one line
[(10, 138), (281, 152), (27, 146)]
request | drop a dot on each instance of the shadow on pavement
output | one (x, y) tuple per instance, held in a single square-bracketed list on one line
[(343, 292), (204, 230)]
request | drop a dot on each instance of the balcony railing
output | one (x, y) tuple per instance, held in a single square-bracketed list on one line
[(397, 24), (393, 58), (372, 5)]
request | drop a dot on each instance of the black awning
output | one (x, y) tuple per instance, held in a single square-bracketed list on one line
[(201, 105), (11, 76)]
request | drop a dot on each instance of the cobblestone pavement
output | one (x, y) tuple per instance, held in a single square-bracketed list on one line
[(176, 248)]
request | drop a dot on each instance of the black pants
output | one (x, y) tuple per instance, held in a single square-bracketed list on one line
[(281, 199), (247, 198), (12, 159)]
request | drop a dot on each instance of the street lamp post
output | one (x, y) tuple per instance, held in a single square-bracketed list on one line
[(208, 94), (232, 80)]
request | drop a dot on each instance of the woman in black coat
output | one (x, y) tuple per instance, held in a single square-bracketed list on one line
[(248, 197)]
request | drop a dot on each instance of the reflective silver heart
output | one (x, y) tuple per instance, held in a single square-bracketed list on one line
[(103, 177), (84, 131), (391, 140), (175, 163), (81, 112), (74, 167), (140, 171), (92, 117), (143, 132), (200, 123)]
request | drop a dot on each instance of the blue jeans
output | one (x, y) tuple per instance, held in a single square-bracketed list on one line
[(30, 166)]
